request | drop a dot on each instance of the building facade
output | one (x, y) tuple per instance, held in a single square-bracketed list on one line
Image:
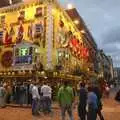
[(62, 46), (117, 75)]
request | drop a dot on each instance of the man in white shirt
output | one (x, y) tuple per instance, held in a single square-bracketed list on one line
[(35, 100), (46, 91)]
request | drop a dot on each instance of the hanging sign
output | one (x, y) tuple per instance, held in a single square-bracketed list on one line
[(23, 56), (38, 29)]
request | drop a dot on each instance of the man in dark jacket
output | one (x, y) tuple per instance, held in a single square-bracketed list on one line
[(82, 101), (98, 93)]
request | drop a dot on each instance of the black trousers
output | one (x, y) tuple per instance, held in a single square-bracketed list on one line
[(8, 98), (82, 112), (92, 113)]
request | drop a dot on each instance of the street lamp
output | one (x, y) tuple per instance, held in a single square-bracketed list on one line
[(76, 22), (82, 31), (69, 6)]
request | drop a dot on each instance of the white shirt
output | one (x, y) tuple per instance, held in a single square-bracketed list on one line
[(30, 88), (46, 90), (35, 93)]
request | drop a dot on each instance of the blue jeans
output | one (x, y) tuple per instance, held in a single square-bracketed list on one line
[(67, 108), (35, 106), (82, 111)]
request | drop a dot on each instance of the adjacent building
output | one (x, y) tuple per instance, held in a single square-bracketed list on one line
[(117, 74), (105, 66)]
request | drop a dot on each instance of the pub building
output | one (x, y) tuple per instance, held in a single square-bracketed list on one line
[(43, 41)]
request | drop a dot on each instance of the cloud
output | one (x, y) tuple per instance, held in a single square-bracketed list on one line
[(111, 36), (111, 44), (110, 48)]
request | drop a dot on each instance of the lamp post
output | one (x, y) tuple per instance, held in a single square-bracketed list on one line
[(69, 6)]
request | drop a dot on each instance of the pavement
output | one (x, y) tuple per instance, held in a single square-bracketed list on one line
[(111, 111)]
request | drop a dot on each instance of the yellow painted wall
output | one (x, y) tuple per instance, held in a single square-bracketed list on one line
[(59, 15), (12, 17)]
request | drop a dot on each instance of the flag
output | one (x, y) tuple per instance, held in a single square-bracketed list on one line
[(8, 38)]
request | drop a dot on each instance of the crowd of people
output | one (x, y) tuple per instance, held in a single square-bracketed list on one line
[(89, 102), (17, 93), (87, 98)]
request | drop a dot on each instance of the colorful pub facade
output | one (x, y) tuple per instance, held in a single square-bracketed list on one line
[(41, 36)]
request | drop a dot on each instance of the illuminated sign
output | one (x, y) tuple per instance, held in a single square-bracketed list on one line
[(23, 59), (23, 55), (23, 52)]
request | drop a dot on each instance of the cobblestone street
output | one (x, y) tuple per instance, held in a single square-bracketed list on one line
[(111, 111)]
